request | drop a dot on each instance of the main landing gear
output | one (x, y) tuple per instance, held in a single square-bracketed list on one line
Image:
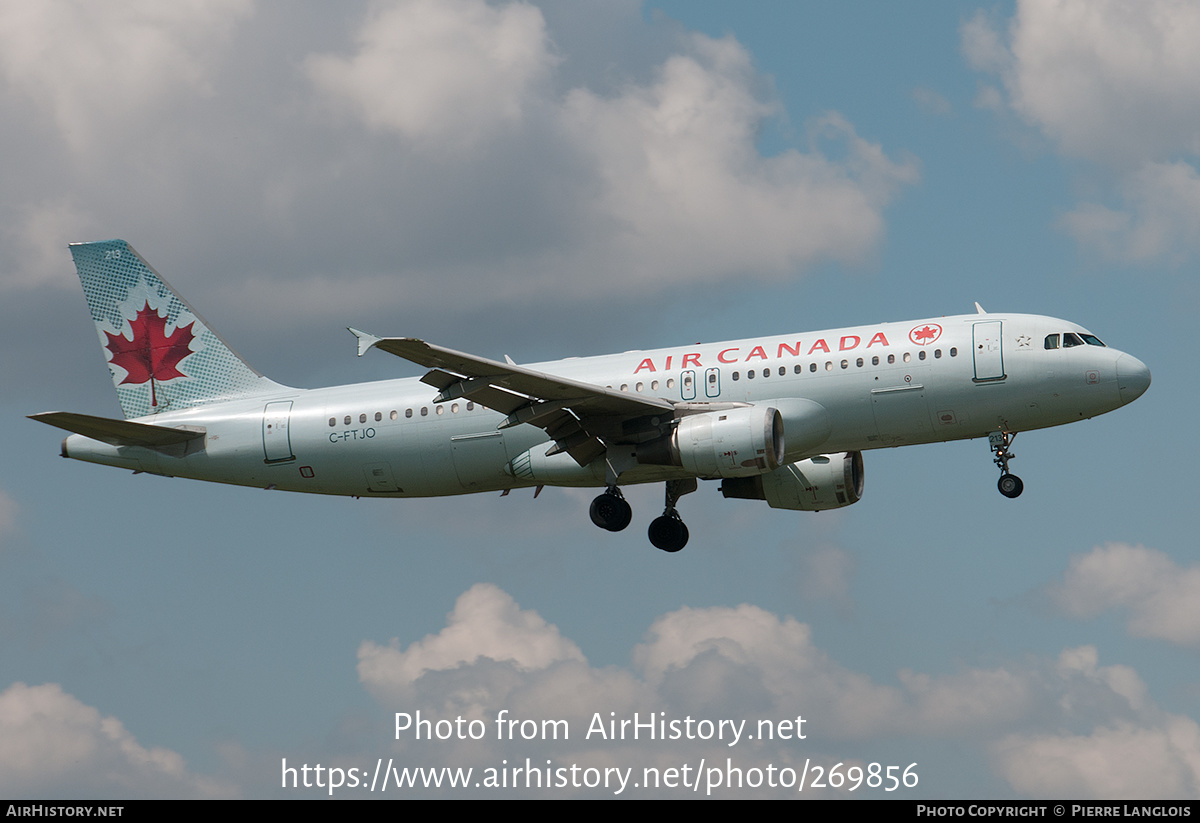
[(610, 511), (1010, 485), (667, 532)]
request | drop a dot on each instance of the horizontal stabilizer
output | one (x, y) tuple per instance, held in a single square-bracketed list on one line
[(118, 432)]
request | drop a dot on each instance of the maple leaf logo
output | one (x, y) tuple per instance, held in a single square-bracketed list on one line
[(151, 355), (922, 335)]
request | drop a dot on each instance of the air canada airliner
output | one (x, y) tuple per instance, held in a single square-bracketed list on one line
[(779, 419)]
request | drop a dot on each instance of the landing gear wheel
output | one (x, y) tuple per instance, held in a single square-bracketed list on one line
[(1010, 485), (668, 533), (610, 511)]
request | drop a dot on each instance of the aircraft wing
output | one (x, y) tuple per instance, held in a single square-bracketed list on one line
[(579, 416)]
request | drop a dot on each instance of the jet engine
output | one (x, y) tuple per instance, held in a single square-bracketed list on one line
[(824, 482), (734, 443)]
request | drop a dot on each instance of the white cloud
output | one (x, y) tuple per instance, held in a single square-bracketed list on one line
[(95, 68), (684, 192), (1121, 761), (1161, 598), (653, 185), (746, 663), (51, 745), (485, 623), (1117, 84), (450, 71), (1161, 219), (1105, 79), (1154, 754)]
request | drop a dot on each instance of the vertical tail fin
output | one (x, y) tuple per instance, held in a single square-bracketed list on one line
[(160, 352)]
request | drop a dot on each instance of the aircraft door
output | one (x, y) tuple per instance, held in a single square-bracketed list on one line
[(277, 442), (687, 385), (989, 358), (712, 382)]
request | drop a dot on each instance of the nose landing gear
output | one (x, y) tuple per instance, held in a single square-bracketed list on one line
[(1009, 484)]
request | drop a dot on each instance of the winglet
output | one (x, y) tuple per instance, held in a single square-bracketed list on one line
[(365, 341), (979, 308)]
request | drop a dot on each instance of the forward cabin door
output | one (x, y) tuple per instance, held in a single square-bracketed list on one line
[(989, 358)]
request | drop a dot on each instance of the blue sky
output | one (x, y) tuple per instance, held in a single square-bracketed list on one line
[(576, 178)]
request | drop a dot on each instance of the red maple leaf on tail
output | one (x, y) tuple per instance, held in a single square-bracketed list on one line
[(151, 355)]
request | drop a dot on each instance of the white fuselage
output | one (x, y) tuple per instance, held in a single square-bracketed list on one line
[(876, 386)]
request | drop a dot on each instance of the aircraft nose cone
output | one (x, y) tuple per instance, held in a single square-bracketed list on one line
[(1133, 378)]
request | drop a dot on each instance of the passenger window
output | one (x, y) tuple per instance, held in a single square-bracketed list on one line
[(782, 371), (378, 416), (875, 360), (750, 374), (766, 372), (828, 365), (670, 382), (799, 369), (439, 409), (408, 412), (812, 367), (470, 407), (891, 359), (332, 422), (921, 354), (937, 354), (907, 357), (954, 351), (859, 362), (454, 408), (347, 420), (653, 385), (736, 376), (1052, 341), (424, 411)]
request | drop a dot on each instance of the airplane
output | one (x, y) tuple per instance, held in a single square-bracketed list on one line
[(779, 419)]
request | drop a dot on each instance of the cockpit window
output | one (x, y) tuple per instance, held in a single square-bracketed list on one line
[(1092, 340), (1052, 341), (1071, 339)]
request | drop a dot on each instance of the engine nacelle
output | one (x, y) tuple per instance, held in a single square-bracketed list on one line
[(825, 482), (734, 443)]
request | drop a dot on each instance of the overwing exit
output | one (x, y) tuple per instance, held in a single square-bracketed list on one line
[(782, 419)]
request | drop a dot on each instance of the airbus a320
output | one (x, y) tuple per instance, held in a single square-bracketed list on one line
[(782, 420)]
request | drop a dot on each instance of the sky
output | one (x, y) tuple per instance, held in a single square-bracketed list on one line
[(543, 180)]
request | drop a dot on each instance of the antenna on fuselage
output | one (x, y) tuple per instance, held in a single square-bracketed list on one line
[(979, 308)]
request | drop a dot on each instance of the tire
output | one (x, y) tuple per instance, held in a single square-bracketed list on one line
[(1010, 485), (668, 533), (610, 512)]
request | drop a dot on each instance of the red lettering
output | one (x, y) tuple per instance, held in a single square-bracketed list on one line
[(694, 359), (878, 338), (854, 337), (645, 364), (668, 366), (721, 356), (758, 352), (785, 347), (820, 344)]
